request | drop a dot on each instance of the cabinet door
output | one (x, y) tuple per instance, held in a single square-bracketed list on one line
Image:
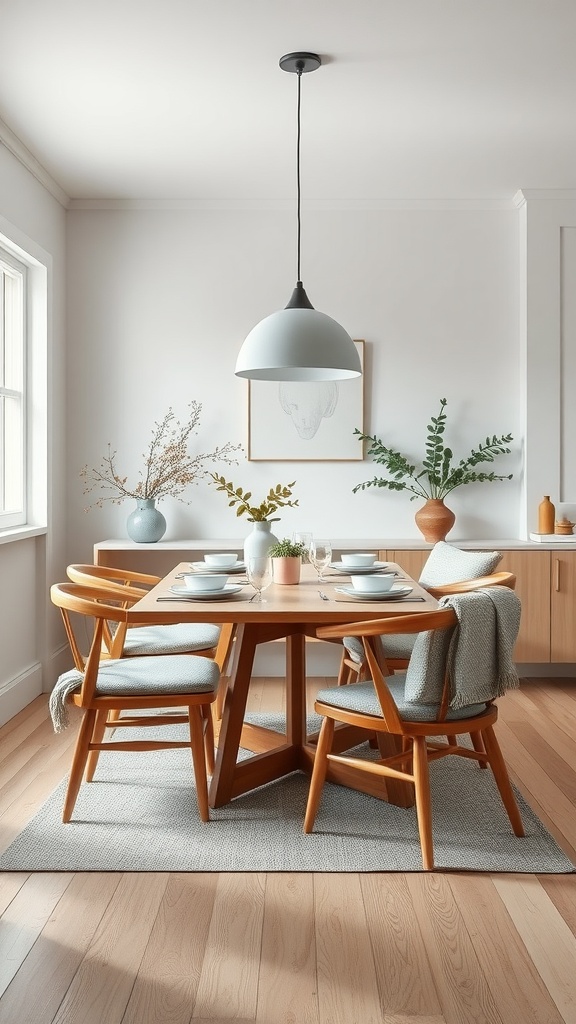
[(411, 561), (532, 571), (563, 631)]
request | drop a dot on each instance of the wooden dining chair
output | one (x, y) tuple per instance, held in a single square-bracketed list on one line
[(425, 732), (202, 638), (136, 641), (104, 688)]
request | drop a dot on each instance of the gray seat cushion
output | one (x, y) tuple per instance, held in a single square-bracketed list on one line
[(140, 677), (178, 638), (362, 698), (448, 564)]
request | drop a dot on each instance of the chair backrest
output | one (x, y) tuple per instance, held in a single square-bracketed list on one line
[(122, 585), (111, 578), (74, 599), (449, 564), (447, 669), (115, 600), (371, 632), (478, 667)]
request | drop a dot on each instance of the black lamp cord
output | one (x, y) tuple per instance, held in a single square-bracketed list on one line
[(299, 73)]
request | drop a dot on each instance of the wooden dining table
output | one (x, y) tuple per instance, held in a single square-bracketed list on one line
[(291, 613)]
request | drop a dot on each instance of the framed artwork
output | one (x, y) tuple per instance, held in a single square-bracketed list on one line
[(306, 421)]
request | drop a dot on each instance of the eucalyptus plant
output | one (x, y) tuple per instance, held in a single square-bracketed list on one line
[(437, 475)]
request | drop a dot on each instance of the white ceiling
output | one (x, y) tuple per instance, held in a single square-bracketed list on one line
[(184, 99)]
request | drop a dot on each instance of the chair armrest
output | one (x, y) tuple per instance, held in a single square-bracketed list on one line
[(415, 623), (495, 579)]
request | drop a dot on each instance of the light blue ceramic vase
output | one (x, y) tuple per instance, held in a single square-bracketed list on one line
[(146, 524)]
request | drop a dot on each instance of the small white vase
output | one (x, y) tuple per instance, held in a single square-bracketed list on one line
[(259, 541)]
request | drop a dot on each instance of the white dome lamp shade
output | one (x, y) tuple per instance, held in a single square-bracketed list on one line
[(298, 342)]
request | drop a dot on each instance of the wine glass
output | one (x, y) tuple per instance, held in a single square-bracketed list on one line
[(259, 572), (320, 552), (305, 539)]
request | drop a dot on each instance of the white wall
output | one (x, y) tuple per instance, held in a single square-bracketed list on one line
[(161, 299), (31, 638), (548, 341)]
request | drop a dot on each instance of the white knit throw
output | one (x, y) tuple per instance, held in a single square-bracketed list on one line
[(66, 684), (479, 657)]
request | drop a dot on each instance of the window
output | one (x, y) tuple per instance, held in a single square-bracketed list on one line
[(25, 301), (13, 468)]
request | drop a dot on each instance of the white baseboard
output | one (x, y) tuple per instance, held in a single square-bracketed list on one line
[(20, 691), (546, 671), (322, 659), (60, 661)]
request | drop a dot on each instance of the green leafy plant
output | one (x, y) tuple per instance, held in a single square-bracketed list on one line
[(277, 497), (169, 467), (287, 549), (437, 475)]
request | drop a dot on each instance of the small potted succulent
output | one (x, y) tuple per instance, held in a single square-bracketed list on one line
[(286, 558)]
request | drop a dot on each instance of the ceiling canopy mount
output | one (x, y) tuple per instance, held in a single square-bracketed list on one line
[(300, 62)]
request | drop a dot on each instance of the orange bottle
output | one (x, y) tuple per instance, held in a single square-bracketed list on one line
[(546, 515)]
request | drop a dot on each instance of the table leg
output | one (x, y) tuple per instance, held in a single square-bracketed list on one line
[(296, 689), (232, 718), (231, 778)]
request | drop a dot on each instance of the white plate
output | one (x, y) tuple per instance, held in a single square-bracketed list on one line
[(355, 570), (394, 594), (219, 570), (205, 595)]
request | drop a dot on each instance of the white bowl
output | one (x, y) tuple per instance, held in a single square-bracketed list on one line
[(373, 584), (222, 560), (198, 583), (359, 559)]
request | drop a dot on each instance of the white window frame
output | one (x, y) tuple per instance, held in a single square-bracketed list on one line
[(13, 347), (17, 249)]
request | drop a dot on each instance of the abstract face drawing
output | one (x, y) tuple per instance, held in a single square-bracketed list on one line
[(308, 403)]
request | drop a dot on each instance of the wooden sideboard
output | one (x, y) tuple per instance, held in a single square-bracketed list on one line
[(546, 580)]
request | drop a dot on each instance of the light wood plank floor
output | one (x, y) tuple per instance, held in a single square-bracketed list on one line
[(418, 948)]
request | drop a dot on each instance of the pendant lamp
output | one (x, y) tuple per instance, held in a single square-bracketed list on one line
[(298, 342)]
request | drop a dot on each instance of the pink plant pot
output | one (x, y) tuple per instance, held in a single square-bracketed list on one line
[(286, 570)]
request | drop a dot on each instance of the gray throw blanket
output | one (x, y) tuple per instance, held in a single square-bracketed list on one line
[(66, 684), (477, 652)]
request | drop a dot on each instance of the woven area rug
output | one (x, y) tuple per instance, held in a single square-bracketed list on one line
[(140, 814)]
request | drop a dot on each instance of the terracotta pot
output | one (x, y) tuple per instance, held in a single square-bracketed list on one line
[(286, 570), (434, 520)]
